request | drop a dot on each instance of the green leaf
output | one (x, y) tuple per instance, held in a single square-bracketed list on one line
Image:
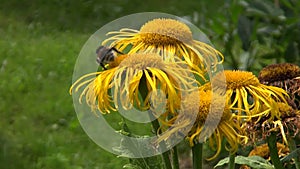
[(132, 148), (292, 52), (222, 162), (269, 30), (245, 30), (270, 55), (265, 8), (293, 154), (288, 4), (255, 162)]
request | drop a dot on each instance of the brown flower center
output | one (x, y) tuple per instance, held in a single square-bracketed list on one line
[(236, 79), (141, 61), (165, 32), (278, 72), (202, 105)]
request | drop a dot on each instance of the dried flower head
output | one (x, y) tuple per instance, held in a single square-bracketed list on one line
[(263, 150), (285, 76), (286, 126)]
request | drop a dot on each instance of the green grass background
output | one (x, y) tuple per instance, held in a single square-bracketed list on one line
[(39, 128)]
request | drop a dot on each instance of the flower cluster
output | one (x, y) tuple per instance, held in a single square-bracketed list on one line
[(285, 126), (164, 56)]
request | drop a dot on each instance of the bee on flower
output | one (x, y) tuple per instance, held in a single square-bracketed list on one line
[(169, 38), (121, 85)]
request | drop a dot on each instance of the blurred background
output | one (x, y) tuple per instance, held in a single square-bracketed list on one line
[(40, 41)]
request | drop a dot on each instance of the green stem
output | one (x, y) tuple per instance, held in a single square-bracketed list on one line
[(167, 160), (197, 155), (175, 158), (292, 147), (165, 155), (232, 161), (155, 124), (272, 144)]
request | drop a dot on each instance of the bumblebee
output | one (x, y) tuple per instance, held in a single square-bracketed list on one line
[(106, 55)]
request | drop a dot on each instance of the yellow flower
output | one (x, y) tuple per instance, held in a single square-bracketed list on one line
[(168, 38), (121, 85), (227, 126), (247, 96), (285, 76)]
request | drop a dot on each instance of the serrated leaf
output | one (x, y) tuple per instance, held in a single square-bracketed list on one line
[(255, 162), (130, 148), (134, 148), (131, 145)]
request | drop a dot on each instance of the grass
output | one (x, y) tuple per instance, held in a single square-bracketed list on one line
[(38, 125)]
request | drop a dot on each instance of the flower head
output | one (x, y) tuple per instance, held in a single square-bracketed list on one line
[(168, 38), (165, 32), (247, 96), (122, 85), (263, 150), (286, 126), (278, 72), (227, 127), (285, 76)]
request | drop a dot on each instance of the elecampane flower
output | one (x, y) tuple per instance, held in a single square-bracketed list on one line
[(121, 85), (168, 38), (227, 128), (247, 96)]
